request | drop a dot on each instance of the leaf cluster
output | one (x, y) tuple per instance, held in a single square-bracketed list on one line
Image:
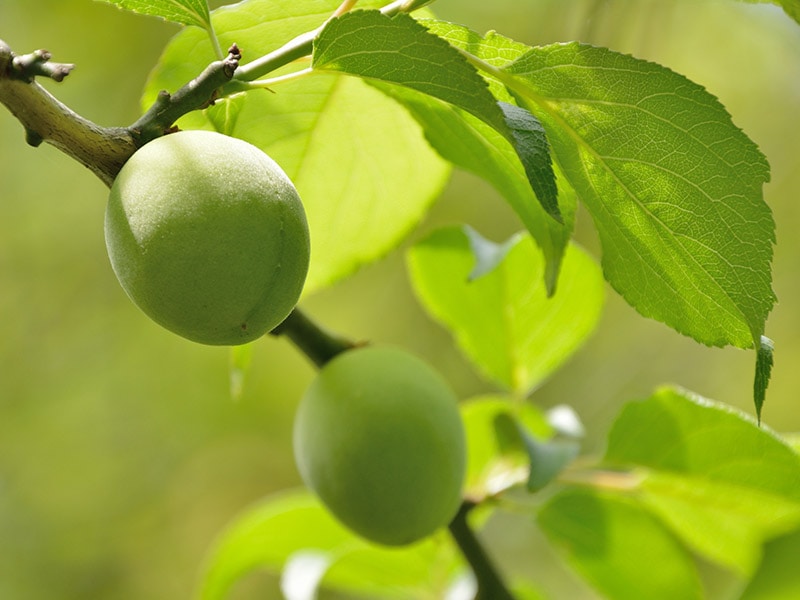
[(368, 111)]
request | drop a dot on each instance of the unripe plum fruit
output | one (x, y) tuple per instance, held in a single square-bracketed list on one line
[(207, 235), (378, 437)]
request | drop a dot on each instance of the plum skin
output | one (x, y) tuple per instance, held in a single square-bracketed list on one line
[(208, 237), (379, 438)]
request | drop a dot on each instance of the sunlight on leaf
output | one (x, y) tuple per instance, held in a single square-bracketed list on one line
[(400, 50), (362, 167), (674, 187), (186, 12), (293, 535), (677, 431), (224, 114), (723, 522), (504, 321), (266, 536), (471, 144), (303, 573), (723, 484), (565, 421)]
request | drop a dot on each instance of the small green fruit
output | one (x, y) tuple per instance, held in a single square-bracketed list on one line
[(208, 236), (379, 438)]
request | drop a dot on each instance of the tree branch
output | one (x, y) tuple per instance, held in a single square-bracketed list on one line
[(490, 586), (103, 150), (303, 45), (199, 93)]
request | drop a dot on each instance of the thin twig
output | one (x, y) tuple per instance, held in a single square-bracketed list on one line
[(303, 45), (197, 94)]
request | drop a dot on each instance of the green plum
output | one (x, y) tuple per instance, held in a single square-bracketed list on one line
[(208, 236), (379, 438)]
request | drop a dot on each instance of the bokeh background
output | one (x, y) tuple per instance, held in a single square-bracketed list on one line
[(122, 455)]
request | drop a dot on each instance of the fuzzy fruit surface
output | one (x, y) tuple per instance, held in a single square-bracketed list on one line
[(378, 437), (207, 235)]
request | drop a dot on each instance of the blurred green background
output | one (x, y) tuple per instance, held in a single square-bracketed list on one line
[(121, 453)]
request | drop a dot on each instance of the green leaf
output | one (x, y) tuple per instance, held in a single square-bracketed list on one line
[(778, 578), (725, 523), (401, 51), (793, 440), (530, 141), (504, 321), (545, 458), (678, 432), (619, 547), (525, 590), (548, 459), (186, 12), (360, 162), (492, 465), (471, 144), (673, 186), (423, 570), (764, 361), (720, 482), (224, 114), (488, 255), (265, 536), (293, 534)]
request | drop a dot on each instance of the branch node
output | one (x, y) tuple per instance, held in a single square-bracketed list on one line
[(25, 67), (199, 93), (33, 138), (231, 62)]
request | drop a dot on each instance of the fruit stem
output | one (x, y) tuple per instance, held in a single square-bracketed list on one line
[(490, 585), (316, 343)]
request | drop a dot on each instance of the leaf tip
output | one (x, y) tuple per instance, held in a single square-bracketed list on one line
[(764, 360)]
